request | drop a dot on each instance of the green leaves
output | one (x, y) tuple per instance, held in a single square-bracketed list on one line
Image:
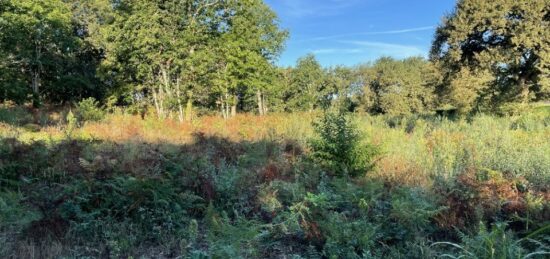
[(210, 52), (307, 86), (494, 52), (89, 110), (338, 147), (43, 53), (401, 87)]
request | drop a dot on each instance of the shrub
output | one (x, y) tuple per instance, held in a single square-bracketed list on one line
[(89, 110), (338, 147), (348, 238), (513, 109), (414, 210), (17, 115), (72, 124)]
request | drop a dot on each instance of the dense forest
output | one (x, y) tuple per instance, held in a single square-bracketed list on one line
[(167, 129)]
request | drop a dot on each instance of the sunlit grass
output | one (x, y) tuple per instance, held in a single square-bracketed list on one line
[(417, 149)]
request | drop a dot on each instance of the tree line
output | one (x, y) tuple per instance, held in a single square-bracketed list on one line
[(180, 57)]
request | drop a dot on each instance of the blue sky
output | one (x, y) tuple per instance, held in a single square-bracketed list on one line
[(349, 32)]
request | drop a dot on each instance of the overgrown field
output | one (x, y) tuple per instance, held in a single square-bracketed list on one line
[(302, 185)]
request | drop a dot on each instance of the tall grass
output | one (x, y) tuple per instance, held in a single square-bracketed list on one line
[(443, 148), (427, 147)]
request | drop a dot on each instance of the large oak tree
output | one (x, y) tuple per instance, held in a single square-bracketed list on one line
[(493, 52)]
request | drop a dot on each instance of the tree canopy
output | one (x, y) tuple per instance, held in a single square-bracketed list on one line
[(42, 53), (493, 52), (181, 57)]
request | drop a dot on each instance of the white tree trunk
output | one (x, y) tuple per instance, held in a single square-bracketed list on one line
[(178, 97), (157, 103), (260, 102), (264, 104)]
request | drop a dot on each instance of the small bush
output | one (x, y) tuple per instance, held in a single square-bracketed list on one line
[(89, 110), (71, 124), (339, 148), (16, 115)]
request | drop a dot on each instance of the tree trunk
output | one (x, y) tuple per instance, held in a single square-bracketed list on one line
[(235, 101), (189, 110), (165, 78), (178, 97), (524, 88), (36, 82), (233, 110), (264, 104), (157, 104), (260, 103), (222, 106), (225, 106), (160, 99), (36, 88), (165, 91)]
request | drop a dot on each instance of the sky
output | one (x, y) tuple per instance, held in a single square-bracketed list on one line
[(350, 32)]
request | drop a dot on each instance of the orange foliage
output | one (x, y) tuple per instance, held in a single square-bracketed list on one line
[(397, 171), (124, 128), (482, 193)]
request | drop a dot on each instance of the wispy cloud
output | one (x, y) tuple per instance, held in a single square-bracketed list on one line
[(337, 51), (339, 36), (304, 8), (373, 49)]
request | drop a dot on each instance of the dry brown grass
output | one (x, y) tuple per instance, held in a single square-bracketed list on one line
[(484, 191), (123, 128), (397, 171)]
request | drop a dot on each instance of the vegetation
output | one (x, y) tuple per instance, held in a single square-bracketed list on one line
[(299, 185), (494, 52), (129, 129), (339, 148), (186, 58)]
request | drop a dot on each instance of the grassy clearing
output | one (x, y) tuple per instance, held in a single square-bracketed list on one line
[(252, 187)]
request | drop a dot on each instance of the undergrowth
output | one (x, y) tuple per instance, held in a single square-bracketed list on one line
[(276, 187)]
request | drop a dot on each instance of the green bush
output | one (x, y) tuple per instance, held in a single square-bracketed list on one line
[(531, 121), (339, 147), (16, 116), (89, 110), (13, 214)]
